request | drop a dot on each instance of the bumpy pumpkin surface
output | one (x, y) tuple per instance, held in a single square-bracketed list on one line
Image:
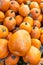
[(20, 43)]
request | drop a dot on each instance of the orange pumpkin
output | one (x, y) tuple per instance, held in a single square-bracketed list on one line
[(2, 16), (33, 56), (41, 30), (20, 1), (29, 20), (18, 19), (35, 12), (35, 32), (10, 23), (10, 13), (3, 31), (11, 60), (38, 1), (14, 5), (19, 43), (37, 23), (41, 38), (34, 5), (24, 10), (36, 43), (26, 26), (3, 48), (4, 5), (40, 18)]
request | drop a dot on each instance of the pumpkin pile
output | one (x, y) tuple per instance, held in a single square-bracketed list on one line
[(21, 32)]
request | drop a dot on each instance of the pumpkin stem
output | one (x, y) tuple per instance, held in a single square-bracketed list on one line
[(12, 11), (12, 3), (10, 18), (34, 27), (36, 11), (3, 30), (25, 23), (13, 56)]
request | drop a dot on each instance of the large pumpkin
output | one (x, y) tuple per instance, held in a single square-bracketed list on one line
[(20, 43)]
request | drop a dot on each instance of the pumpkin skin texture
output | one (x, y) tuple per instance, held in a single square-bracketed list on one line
[(37, 23), (34, 5), (39, 18), (14, 5), (5, 5), (10, 23), (24, 10), (21, 32), (26, 26), (33, 56), (20, 1), (35, 32), (3, 48), (41, 6), (18, 19), (2, 16), (41, 38), (3, 31), (36, 43), (35, 12), (20, 43), (29, 20), (38, 1), (11, 60), (41, 30), (9, 35), (10, 13)]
